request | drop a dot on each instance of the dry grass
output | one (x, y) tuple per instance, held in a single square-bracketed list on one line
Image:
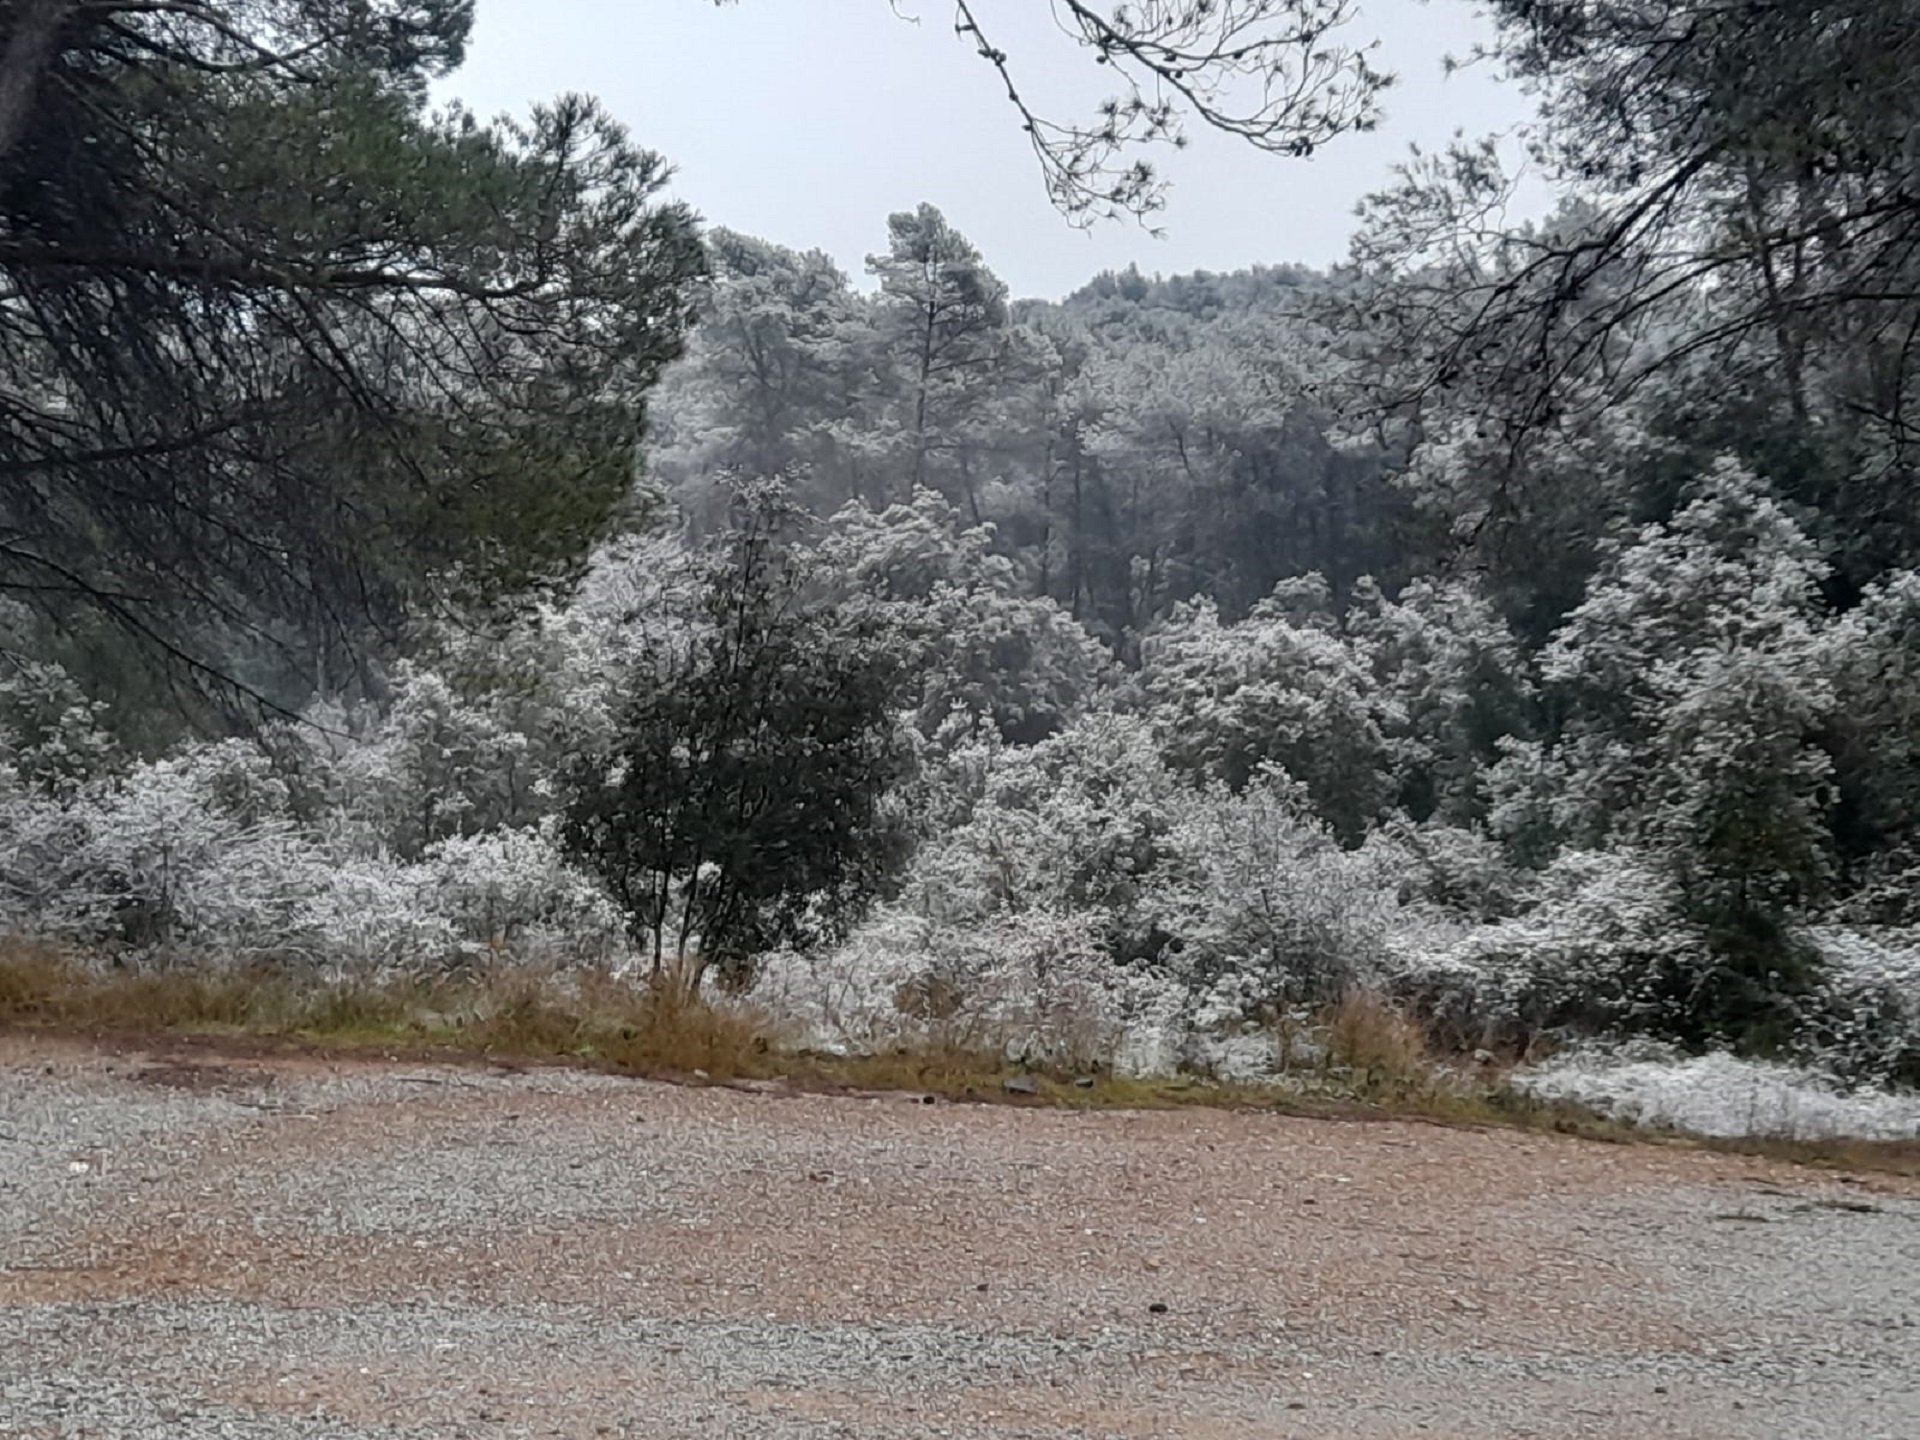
[(587, 1017), (1377, 1062), (1383, 1053)]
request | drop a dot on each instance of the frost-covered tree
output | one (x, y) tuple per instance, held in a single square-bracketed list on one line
[(434, 765), (1875, 744), (985, 654), (1454, 685), (52, 736), (943, 325), (1282, 688), (1697, 671), (769, 384)]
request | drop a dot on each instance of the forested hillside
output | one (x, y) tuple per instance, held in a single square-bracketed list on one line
[(1517, 623)]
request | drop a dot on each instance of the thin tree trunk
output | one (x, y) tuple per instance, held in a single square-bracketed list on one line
[(29, 51), (920, 401), (1046, 522), (1784, 338), (1076, 542)]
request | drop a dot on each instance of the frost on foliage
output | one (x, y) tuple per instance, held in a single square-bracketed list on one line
[(1602, 949), (1034, 987), (1078, 824), (1863, 1022), (1695, 674), (990, 658), (1274, 914), (1454, 687), (52, 739), (1721, 1095), (1281, 688), (1242, 904), (195, 844), (1449, 870), (1875, 656), (513, 890), (552, 676), (1695, 671), (203, 852), (375, 915), (432, 766)]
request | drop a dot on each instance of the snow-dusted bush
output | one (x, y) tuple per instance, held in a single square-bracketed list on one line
[(513, 891), (1246, 891), (1081, 824), (432, 765), (1280, 689), (1603, 950), (51, 735), (1272, 913), (1721, 1095), (202, 852), (194, 845), (1033, 987), (1696, 672), (1453, 871), (1211, 911), (1862, 1021), (1454, 686), (375, 915)]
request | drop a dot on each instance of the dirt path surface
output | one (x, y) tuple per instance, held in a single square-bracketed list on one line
[(193, 1245)]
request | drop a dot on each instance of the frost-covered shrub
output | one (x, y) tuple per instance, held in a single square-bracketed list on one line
[(1280, 689), (374, 915), (1455, 686), (1696, 676), (554, 676), (1874, 651), (194, 845), (1604, 949), (1082, 823), (1242, 901), (52, 738), (1273, 914), (1033, 987), (432, 765), (513, 890), (1459, 872), (205, 852), (1721, 1095), (1862, 1021)]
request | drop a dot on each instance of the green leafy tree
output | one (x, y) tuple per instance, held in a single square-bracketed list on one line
[(741, 807)]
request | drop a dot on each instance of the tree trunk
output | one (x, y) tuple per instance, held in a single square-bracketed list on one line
[(29, 50), (920, 401)]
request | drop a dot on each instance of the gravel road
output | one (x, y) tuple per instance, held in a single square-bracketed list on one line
[(194, 1244)]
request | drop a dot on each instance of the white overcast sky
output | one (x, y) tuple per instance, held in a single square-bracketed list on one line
[(808, 121)]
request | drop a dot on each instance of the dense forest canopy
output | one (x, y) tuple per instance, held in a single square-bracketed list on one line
[(1518, 620), (281, 343)]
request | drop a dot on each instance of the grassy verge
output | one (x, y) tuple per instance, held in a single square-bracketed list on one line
[(1376, 1063)]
